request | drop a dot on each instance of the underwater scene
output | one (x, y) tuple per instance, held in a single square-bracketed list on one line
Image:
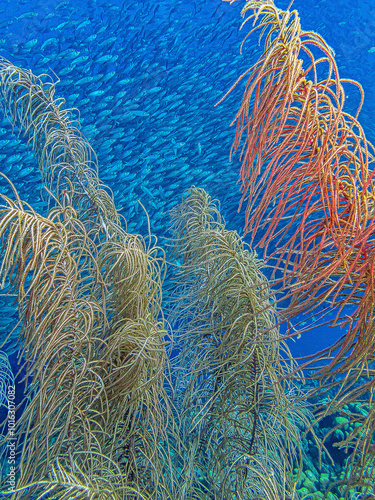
[(187, 249)]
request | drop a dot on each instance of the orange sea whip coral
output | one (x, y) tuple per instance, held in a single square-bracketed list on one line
[(305, 172)]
